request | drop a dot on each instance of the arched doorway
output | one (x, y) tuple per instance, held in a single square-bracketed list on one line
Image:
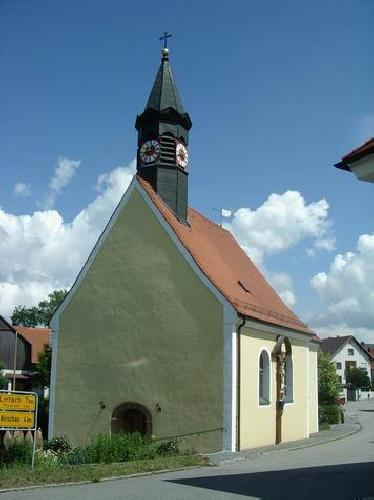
[(132, 417)]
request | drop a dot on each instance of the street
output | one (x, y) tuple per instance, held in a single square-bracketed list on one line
[(342, 469)]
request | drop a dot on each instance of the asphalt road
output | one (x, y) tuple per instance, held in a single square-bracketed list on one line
[(342, 469)]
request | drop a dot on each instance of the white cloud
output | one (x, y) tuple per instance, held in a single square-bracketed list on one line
[(21, 189), (282, 282), (282, 221), (347, 289), (64, 172), (41, 252), (362, 334)]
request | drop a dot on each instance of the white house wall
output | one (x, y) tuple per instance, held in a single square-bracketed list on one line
[(342, 356)]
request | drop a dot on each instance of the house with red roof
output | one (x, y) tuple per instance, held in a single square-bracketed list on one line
[(170, 329), (19, 350)]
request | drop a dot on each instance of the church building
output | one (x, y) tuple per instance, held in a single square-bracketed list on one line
[(170, 329)]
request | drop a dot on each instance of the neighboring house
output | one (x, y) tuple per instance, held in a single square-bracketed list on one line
[(360, 161), (37, 337), (346, 353), (19, 349), (15, 356), (169, 328)]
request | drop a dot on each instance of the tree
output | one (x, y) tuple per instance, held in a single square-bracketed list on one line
[(328, 382), (357, 378), (40, 314), (42, 372), (39, 380), (328, 391), (25, 316)]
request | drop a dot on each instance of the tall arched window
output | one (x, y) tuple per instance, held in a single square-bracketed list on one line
[(264, 379)]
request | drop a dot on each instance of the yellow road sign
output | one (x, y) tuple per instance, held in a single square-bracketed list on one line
[(17, 419), (24, 402)]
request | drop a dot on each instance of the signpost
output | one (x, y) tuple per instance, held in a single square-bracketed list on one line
[(19, 411)]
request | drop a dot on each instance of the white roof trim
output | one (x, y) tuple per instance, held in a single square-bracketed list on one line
[(277, 330)]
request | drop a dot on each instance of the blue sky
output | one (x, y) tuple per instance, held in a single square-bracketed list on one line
[(277, 93)]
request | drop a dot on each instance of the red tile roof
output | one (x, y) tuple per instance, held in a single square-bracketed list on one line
[(360, 151), (37, 337), (225, 264), (356, 154)]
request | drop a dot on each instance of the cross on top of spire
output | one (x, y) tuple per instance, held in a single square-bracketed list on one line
[(165, 37)]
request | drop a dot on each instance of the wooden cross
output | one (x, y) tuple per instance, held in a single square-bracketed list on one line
[(165, 38)]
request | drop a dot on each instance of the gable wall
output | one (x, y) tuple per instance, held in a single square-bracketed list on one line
[(359, 357), (140, 328)]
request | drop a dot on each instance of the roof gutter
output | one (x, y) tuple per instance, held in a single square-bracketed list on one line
[(238, 381)]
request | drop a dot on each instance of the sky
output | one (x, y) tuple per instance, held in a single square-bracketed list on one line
[(277, 92)]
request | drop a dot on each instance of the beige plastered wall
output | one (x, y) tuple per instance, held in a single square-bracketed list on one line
[(313, 393), (258, 423), (140, 328)]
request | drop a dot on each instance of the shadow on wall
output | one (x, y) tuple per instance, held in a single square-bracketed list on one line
[(351, 481)]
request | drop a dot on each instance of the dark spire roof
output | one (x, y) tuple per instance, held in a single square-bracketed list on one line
[(164, 92)]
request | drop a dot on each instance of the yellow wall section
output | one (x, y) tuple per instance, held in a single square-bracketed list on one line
[(313, 393), (294, 420), (141, 328), (257, 423)]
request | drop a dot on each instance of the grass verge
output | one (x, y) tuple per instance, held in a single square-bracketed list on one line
[(21, 476), (324, 426)]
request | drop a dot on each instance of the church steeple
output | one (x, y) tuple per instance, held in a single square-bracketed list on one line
[(163, 127), (164, 93)]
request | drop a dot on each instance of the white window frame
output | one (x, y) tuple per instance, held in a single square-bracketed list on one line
[(269, 381)]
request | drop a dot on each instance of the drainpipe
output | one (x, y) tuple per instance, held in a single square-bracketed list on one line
[(238, 360)]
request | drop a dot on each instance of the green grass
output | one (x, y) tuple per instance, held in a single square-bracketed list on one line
[(20, 476), (324, 426)]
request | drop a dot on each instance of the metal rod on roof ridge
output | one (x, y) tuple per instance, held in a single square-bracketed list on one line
[(224, 212), (220, 215)]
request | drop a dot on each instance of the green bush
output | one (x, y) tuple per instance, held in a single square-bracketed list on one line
[(331, 414), (121, 447), (168, 448), (77, 456), (19, 452), (46, 458), (58, 445)]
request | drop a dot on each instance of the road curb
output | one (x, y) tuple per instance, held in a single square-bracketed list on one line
[(262, 452)]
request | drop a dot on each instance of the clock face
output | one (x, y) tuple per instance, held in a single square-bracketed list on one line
[(149, 151), (182, 155)]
